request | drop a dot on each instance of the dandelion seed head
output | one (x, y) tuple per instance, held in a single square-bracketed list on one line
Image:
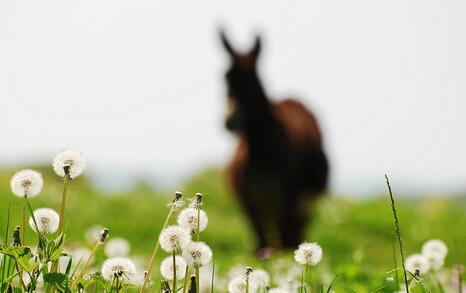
[(308, 254), (166, 268), (197, 254), (435, 259), (120, 267), (435, 246), (117, 247), (174, 238), (261, 277), (417, 262), (26, 183), (238, 285), (188, 219), (70, 158), (47, 221)]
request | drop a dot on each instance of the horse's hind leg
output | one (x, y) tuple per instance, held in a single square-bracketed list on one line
[(293, 223), (253, 211)]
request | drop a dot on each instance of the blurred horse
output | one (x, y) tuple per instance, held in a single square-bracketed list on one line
[(279, 167)]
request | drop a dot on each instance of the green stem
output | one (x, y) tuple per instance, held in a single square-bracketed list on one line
[(86, 265), (23, 234), (63, 205), (185, 283), (197, 279), (174, 271)]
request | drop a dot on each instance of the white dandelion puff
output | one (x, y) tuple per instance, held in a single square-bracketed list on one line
[(26, 183), (118, 267), (308, 254), (417, 263), (261, 277), (238, 285), (166, 268), (117, 247), (197, 254), (94, 233), (435, 246), (188, 219), (436, 260), (69, 158), (80, 256), (174, 238), (47, 220)]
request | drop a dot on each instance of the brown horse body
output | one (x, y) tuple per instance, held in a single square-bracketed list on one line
[(279, 167)]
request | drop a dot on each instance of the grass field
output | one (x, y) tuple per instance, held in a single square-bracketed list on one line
[(356, 235)]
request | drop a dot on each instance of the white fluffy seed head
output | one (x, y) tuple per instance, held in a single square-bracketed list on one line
[(308, 254), (47, 220), (73, 159), (26, 183), (238, 285), (417, 262), (166, 268), (174, 238), (197, 254), (436, 260), (261, 277), (188, 219), (435, 246), (117, 247), (118, 267)]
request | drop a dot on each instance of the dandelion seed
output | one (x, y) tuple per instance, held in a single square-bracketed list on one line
[(308, 254), (197, 254), (417, 263), (436, 260), (188, 219), (117, 247), (174, 238), (118, 267), (238, 285), (166, 268), (69, 158), (261, 277), (47, 220), (435, 246), (26, 183)]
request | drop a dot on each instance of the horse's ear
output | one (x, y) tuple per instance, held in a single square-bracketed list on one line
[(226, 44), (256, 49)]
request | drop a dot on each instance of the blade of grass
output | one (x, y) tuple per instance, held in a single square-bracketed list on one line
[(397, 230)]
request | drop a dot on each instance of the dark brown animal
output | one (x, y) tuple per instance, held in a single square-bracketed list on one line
[(279, 167)]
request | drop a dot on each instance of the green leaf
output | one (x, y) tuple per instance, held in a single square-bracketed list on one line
[(58, 280)]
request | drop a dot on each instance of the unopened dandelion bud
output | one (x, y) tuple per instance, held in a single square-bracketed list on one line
[(16, 237), (104, 235)]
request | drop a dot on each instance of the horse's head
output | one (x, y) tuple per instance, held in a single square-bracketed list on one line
[(243, 84)]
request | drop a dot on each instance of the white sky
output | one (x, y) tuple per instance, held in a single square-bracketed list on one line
[(137, 85)]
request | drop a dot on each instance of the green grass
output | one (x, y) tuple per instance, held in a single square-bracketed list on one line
[(356, 235)]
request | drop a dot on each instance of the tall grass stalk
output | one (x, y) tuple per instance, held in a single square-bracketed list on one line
[(177, 197), (185, 283), (395, 261), (397, 230)]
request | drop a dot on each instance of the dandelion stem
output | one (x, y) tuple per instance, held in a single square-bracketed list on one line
[(23, 235), (63, 204), (397, 230), (156, 248), (185, 284), (174, 271), (197, 279)]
